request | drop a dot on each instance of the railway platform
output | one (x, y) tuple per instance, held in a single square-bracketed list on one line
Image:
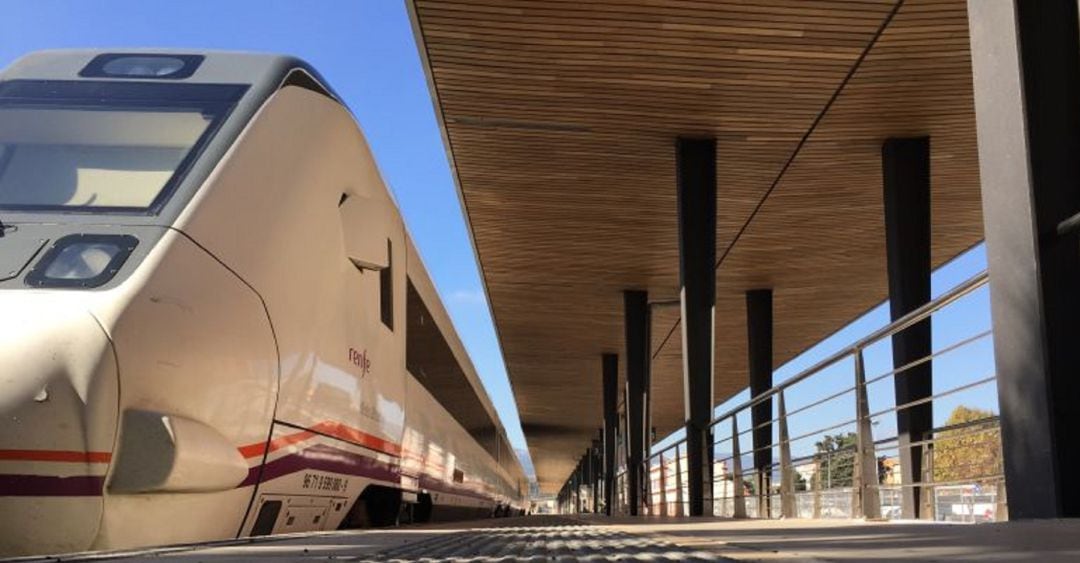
[(528, 538), (599, 538)]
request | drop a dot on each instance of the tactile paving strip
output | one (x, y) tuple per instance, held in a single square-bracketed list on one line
[(538, 539)]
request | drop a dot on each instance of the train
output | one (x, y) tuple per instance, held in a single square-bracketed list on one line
[(213, 321)]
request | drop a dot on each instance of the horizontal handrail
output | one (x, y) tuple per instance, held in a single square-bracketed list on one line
[(950, 348), (666, 459), (988, 424), (958, 430), (897, 326), (924, 400), (912, 318), (847, 390)]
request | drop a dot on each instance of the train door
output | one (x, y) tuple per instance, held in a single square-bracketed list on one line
[(375, 245), (354, 445), (276, 215)]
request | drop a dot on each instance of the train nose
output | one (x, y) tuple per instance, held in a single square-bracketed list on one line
[(58, 403)]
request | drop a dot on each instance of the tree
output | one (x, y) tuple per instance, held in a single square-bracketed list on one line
[(836, 458), (970, 453), (749, 488)]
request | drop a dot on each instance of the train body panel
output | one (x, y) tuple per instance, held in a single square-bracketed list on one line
[(445, 462), (59, 406), (237, 365), (304, 471), (198, 374), (436, 441), (271, 212)]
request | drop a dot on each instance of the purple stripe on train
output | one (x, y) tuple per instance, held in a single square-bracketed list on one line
[(435, 484), (51, 486), (321, 457)]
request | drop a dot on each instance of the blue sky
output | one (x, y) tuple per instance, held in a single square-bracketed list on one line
[(365, 49)]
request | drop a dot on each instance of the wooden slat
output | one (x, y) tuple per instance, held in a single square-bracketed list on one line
[(561, 118)]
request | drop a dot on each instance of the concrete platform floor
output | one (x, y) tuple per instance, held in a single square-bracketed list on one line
[(590, 538), (529, 538), (852, 541)]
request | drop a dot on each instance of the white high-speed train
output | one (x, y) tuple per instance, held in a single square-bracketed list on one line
[(213, 323)]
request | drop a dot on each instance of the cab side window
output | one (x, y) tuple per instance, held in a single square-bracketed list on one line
[(386, 288)]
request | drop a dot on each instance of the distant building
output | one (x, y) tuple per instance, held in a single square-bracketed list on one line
[(543, 505), (806, 471), (889, 469)]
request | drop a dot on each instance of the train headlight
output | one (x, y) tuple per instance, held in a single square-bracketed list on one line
[(140, 65), (82, 261), (143, 66)]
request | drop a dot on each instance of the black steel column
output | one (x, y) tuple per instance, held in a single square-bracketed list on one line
[(695, 162), (586, 478), (570, 494), (583, 478), (637, 377), (906, 179), (573, 491), (610, 367), (759, 341), (624, 440), (597, 471), (1027, 83)]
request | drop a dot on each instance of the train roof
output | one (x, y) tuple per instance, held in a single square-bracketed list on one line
[(264, 71)]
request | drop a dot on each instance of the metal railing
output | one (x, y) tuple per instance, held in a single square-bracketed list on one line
[(848, 473)]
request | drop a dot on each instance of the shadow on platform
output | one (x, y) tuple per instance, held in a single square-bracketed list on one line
[(847, 540)]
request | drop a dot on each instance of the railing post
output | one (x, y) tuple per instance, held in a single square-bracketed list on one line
[(817, 487), (623, 502), (763, 483), (927, 494), (856, 487), (618, 494), (626, 493), (866, 473), (739, 508), (647, 503), (663, 486), (678, 482), (710, 492), (1001, 503), (787, 471)]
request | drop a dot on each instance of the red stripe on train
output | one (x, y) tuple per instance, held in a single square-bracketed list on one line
[(55, 455), (328, 428)]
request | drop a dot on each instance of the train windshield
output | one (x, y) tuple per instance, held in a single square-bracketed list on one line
[(102, 146)]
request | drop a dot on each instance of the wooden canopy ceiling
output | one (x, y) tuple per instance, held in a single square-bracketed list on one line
[(560, 117)]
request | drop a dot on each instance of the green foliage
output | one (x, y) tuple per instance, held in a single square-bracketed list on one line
[(967, 454), (749, 487), (836, 458)]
